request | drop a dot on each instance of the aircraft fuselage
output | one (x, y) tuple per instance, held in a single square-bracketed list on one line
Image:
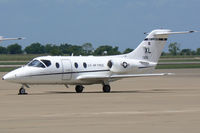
[(67, 69)]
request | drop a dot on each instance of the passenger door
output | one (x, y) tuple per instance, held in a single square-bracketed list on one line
[(67, 69)]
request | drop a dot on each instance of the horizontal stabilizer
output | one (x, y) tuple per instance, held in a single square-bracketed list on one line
[(170, 33)]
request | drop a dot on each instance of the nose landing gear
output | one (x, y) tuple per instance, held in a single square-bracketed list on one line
[(22, 91)]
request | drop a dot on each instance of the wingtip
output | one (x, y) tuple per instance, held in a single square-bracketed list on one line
[(21, 38), (170, 74), (192, 31)]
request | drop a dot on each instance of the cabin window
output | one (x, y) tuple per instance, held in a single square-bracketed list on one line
[(76, 65), (57, 65), (46, 62), (36, 63), (84, 65)]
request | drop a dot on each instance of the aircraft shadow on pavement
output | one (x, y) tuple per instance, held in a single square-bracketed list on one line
[(112, 92)]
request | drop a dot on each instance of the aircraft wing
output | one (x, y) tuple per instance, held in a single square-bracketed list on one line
[(102, 77), (140, 75), (4, 39)]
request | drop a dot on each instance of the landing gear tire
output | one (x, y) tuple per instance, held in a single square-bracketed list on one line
[(79, 88), (106, 88), (22, 91)]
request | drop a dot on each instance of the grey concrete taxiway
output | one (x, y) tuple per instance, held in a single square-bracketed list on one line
[(141, 105)]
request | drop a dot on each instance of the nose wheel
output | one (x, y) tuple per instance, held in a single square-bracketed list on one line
[(79, 88), (22, 91)]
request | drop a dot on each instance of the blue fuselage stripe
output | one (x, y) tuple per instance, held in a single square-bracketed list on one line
[(69, 72)]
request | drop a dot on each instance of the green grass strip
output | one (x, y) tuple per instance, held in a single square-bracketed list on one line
[(192, 60), (178, 66), (179, 56), (7, 69), (13, 63), (18, 57)]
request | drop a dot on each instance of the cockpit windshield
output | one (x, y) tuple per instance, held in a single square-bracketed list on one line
[(46, 62), (36, 63)]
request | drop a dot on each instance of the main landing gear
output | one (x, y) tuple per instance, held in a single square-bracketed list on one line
[(79, 88), (22, 91), (106, 88)]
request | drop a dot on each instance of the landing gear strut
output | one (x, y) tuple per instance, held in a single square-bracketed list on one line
[(79, 88), (22, 91), (106, 88)]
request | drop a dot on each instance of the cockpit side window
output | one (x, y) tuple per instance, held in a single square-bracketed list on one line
[(36, 63), (46, 62)]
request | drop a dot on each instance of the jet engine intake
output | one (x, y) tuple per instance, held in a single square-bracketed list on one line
[(121, 65)]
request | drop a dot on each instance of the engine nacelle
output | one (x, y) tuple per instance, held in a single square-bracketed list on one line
[(120, 65)]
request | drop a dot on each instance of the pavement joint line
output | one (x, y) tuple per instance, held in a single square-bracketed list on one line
[(126, 113)]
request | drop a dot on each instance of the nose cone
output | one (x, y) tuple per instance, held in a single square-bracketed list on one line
[(18, 75), (9, 76), (12, 76)]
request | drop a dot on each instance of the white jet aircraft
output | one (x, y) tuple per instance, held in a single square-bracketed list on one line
[(5, 39), (87, 70)]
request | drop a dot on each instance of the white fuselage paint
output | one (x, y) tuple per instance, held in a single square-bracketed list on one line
[(67, 73)]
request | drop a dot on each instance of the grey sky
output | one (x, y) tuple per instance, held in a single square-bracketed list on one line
[(113, 22)]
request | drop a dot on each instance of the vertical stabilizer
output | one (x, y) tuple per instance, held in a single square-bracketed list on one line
[(152, 46)]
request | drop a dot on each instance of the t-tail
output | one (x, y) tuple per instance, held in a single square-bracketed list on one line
[(151, 47)]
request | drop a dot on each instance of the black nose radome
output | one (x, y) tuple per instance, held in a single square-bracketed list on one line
[(2, 78)]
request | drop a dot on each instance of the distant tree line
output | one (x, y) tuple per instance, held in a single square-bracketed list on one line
[(174, 50), (85, 49), (62, 49)]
